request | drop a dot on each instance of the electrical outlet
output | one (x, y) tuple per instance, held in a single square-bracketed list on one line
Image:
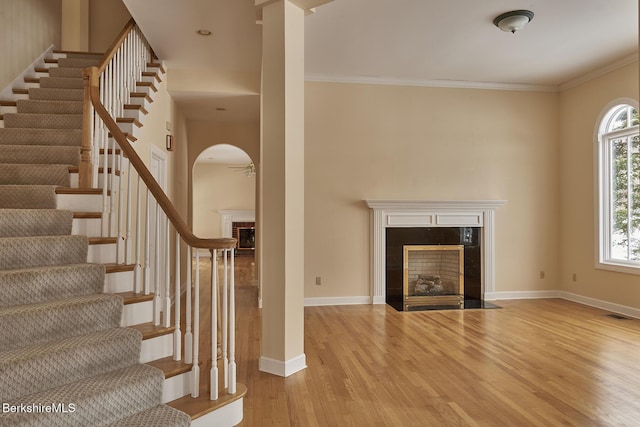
[(542, 274), (318, 280), (575, 277)]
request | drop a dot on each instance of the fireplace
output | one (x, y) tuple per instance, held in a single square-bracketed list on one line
[(433, 276), (460, 247), (395, 224), (246, 238)]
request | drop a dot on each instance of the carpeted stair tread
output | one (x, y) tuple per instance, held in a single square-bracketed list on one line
[(55, 137), (56, 94), (35, 222), (65, 72), (40, 154), (32, 324), (39, 251), (62, 82), (159, 416), (49, 107), (99, 401), (36, 174), (43, 121), (27, 197), (67, 360), (41, 284), (78, 62)]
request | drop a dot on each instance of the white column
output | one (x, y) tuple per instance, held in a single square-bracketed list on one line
[(282, 178)]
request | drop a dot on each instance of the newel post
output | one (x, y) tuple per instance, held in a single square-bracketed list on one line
[(91, 79)]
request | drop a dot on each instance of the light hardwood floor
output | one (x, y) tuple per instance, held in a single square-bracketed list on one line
[(530, 363)]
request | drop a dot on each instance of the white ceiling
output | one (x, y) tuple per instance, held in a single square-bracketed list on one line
[(421, 42)]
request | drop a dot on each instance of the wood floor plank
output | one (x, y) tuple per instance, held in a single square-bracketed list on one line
[(529, 363)]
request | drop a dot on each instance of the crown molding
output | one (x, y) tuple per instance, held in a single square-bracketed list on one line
[(622, 62), (463, 84), (454, 84)]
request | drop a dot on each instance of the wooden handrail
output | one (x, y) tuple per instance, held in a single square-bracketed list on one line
[(91, 78), (110, 53)]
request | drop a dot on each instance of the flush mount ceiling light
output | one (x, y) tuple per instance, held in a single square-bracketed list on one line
[(513, 21), (203, 32)]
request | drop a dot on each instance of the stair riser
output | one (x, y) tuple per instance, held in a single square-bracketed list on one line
[(156, 348), (136, 314), (102, 254), (130, 128), (176, 387), (74, 183), (121, 281), (79, 203), (90, 227), (140, 101)]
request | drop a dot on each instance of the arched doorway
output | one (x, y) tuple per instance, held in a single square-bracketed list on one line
[(224, 203)]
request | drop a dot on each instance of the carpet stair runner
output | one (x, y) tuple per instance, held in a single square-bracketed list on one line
[(61, 342)]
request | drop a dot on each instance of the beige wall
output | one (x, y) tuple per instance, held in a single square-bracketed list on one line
[(416, 143), (580, 108), (27, 29), (107, 19), (215, 187)]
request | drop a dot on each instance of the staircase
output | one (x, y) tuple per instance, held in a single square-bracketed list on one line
[(65, 357), (77, 345)]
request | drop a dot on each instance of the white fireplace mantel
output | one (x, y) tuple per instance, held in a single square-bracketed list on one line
[(229, 216), (396, 213)]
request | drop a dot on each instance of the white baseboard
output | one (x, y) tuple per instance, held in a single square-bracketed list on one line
[(592, 302), (315, 302), (494, 296), (603, 305), (283, 369)]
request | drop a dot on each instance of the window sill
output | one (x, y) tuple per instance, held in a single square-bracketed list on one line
[(619, 268)]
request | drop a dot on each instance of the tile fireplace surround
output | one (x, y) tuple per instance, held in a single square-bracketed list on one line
[(397, 214)]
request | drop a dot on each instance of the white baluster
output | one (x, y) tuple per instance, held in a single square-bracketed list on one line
[(167, 277), (188, 336), (157, 277), (105, 197), (177, 335), (119, 231), (109, 173), (127, 239), (195, 369), (137, 272), (232, 329), (147, 247), (214, 326), (225, 315)]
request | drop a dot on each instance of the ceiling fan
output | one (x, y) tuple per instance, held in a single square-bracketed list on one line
[(249, 169)]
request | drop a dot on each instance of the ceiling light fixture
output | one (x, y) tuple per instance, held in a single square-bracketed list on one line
[(513, 21), (203, 32)]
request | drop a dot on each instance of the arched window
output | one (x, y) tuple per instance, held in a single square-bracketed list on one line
[(619, 189)]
